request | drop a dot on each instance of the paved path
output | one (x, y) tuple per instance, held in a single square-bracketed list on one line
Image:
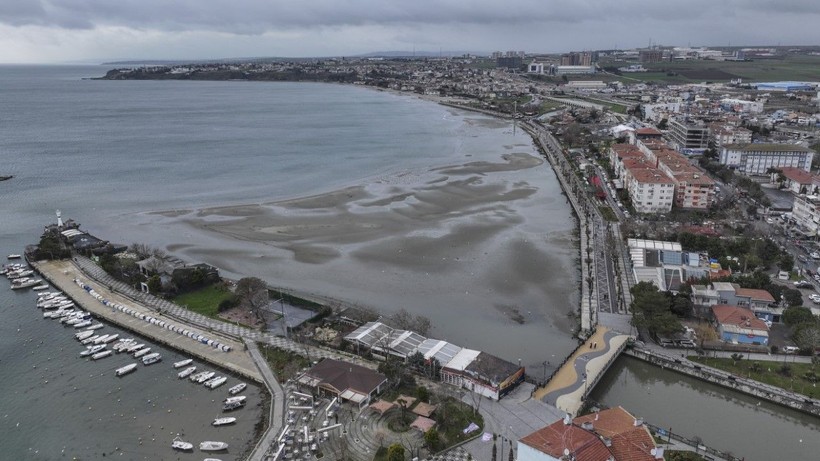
[(570, 384), (277, 407)]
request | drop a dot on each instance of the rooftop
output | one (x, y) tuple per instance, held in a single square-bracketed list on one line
[(738, 316), (797, 175), (768, 147)]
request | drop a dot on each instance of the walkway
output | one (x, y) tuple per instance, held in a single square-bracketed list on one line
[(277, 406), (570, 384)]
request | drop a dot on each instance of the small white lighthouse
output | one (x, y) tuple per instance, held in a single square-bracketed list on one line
[(59, 219)]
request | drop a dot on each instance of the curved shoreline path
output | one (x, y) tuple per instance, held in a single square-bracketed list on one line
[(578, 375)]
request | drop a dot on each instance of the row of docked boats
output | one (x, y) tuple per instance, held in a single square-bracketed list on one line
[(20, 277), (179, 444)]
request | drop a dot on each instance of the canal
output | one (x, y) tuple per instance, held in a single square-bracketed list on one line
[(723, 419)]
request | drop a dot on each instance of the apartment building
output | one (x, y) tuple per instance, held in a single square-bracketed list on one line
[(686, 136), (806, 212), (756, 159), (723, 134), (650, 190)]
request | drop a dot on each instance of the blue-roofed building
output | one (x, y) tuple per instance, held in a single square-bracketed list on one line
[(786, 86)]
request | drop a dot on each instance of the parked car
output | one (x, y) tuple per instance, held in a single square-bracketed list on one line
[(791, 349), (814, 255), (803, 258)]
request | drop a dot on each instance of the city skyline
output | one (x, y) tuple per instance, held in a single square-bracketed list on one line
[(96, 30)]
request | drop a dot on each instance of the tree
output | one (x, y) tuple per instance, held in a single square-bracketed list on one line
[(154, 284), (786, 262), (432, 439), (793, 297), (395, 452), (794, 316), (807, 336), (253, 295), (682, 306), (403, 320), (651, 309)]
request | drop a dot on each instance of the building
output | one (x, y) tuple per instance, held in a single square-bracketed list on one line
[(648, 134), (787, 87), (685, 136), (608, 435), (344, 380), (574, 70), (535, 68), (585, 85), (694, 189), (723, 134), (756, 159), (738, 325), (806, 212), (741, 105), (509, 62), (650, 190), (482, 373), (795, 180), (649, 56), (577, 59), (661, 263)]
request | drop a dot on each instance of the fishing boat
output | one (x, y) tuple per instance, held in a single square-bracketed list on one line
[(216, 382), (142, 352), (100, 355), (92, 350), (183, 363), (224, 421), (237, 389), (210, 445), (126, 369), (179, 444), (186, 372), (151, 358)]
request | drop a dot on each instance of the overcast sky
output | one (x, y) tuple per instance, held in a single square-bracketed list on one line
[(99, 30)]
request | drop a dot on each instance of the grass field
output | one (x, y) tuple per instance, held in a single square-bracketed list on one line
[(798, 67), (769, 373), (204, 301)]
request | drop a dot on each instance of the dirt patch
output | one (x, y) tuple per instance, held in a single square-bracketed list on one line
[(241, 316)]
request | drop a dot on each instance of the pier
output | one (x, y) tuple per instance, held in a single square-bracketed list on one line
[(62, 274)]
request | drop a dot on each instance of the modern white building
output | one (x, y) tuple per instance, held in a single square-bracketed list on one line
[(756, 159), (806, 212), (650, 190)]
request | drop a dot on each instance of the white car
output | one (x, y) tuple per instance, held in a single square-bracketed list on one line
[(814, 255)]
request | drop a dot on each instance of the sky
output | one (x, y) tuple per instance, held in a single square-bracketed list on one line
[(54, 31)]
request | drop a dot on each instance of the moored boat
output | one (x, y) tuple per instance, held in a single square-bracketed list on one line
[(111, 338), (210, 445), (134, 348), (183, 363), (100, 355), (206, 375), (216, 382), (186, 372), (126, 369), (142, 352), (179, 444), (237, 389), (151, 358), (90, 340), (82, 323), (84, 335), (238, 398), (92, 350), (96, 326), (14, 256), (101, 339), (232, 406), (40, 287), (224, 421)]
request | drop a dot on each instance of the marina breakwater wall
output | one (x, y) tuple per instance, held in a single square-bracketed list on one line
[(760, 390), (61, 274)]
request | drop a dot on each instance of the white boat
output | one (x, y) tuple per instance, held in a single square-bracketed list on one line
[(90, 340), (186, 372), (96, 326), (111, 338), (224, 421), (142, 352), (48, 293), (100, 355), (206, 375), (183, 363), (216, 382), (124, 344), (228, 406), (151, 358), (237, 399), (210, 445), (180, 444), (82, 323), (84, 335), (26, 284), (211, 459), (135, 348), (126, 369), (92, 350), (13, 256), (237, 389), (40, 287), (101, 339)]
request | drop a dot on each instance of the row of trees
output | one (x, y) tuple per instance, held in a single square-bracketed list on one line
[(751, 253), (805, 328), (657, 311)]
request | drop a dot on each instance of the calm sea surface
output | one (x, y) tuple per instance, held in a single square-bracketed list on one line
[(105, 152)]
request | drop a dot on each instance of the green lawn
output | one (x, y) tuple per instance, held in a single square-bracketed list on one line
[(204, 301), (769, 373), (284, 364), (798, 67)]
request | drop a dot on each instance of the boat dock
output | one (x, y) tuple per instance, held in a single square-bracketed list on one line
[(62, 275), (569, 386)]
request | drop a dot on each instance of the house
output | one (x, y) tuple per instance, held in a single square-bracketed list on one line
[(738, 325), (482, 373), (344, 380), (608, 435), (795, 180), (753, 298)]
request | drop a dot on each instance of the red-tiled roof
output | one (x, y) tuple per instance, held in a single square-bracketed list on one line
[(739, 316), (797, 175), (650, 176), (758, 295), (627, 441), (648, 132)]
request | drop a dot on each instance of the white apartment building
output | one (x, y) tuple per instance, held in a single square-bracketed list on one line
[(806, 212), (756, 159), (650, 190)]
